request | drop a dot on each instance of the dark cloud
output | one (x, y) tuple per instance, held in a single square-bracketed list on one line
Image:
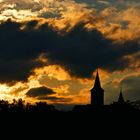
[(82, 51), (44, 93), (39, 92), (79, 51), (19, 49), (102, 4), (55, 99)]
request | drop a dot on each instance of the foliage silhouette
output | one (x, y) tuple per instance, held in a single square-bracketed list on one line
[(19, 106)]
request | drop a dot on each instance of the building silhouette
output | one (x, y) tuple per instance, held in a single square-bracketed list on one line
[(121, 98), (97, 93)]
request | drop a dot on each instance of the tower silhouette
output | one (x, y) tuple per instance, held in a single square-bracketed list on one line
[(97, 93), (121, 99)]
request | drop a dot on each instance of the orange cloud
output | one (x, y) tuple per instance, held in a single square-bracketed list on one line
[(53, 71), (121, 25)]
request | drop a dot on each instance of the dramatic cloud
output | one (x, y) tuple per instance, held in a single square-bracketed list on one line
[(51, 9), (79, 51), (56, 99), (47, 94), (116, 20), (19, 50), (40, 92), (101, 4), (59, 43)]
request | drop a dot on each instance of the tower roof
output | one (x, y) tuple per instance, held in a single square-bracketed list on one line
[(121, 99), (97, 83)]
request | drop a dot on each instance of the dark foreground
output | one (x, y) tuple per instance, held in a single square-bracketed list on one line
[(20, 107), (43, 119)]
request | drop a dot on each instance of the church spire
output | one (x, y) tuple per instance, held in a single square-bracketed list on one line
[(97, 83), (97, 93), (121, 99)]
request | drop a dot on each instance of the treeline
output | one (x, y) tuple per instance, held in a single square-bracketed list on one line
[(20, 106)]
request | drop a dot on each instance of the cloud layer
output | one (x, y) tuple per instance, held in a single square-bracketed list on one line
[(79, 51)]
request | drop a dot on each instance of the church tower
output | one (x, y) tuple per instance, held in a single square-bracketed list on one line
[(121, 99), (97, 93)]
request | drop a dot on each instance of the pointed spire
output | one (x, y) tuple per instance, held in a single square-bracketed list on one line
[(121, 99), (97, 83)]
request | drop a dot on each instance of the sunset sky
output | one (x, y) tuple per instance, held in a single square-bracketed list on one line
[(50, 49)]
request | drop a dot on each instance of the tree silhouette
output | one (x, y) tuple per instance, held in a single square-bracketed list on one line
[(19, 106)]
